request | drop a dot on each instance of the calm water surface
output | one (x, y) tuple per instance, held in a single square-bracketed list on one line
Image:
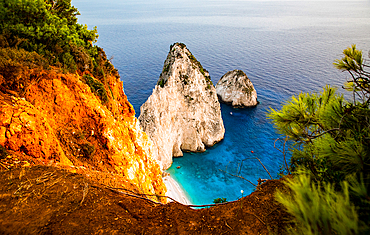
[(285, 47)]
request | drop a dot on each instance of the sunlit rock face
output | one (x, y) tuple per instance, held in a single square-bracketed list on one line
[(61, 121), (236, 89), (183, 113)]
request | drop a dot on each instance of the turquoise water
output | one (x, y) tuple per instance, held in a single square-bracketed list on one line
[(285, 47)]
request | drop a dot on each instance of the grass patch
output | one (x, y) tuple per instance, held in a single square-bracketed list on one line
[(162, 83), (219, 200), (97, 87)]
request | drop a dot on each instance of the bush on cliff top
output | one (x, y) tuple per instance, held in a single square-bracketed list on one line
[(330, 155), (20, 68), (50, 28)]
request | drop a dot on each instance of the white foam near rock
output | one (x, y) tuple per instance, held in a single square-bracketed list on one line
[(236, 89), (183, 113)]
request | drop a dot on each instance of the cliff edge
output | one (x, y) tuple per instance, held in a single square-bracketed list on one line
[(183, 112)]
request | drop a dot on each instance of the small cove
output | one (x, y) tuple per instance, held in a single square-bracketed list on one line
[(284, 47)]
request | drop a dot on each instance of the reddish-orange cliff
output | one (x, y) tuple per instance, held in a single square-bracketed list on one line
[(59, 120)]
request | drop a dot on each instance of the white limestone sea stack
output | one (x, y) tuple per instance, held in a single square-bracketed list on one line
[(236, 89), (183, 113)]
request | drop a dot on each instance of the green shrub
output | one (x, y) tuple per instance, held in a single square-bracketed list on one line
[(161, 83), (15, 65), (97, 87), (219, 200), (320, 209), (50, 29), (166, 68), (330, 154), (47, 27)]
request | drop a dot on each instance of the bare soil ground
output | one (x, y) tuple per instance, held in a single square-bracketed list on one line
[(50, 200)]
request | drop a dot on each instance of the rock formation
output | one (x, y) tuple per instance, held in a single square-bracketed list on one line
[(236, 89), (183, 112), (59, 120)]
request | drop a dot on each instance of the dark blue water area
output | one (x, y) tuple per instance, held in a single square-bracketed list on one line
[(285, 47), (290, 62)]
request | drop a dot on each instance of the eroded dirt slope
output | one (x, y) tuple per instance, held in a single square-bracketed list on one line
[(60, 120), (50, 200)]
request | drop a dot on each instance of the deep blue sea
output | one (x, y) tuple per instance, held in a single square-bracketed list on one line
[(285, 47)]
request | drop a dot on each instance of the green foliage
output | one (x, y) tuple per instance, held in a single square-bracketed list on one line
[(13, 64), (219, 200), (248, 90), (161, 83), (182, 45), (97, 87), (353, 62), (209, 82), (3, 152), (196, 63), (331, 136), (331, 143), (50, 28), (304, 117), (320, 209), (166, 68)]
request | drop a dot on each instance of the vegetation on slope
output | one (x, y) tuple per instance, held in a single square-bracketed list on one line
[(330, 154), (37, 34)]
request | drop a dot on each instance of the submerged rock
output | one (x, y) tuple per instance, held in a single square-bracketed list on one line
[(183, 112), (236, 89)]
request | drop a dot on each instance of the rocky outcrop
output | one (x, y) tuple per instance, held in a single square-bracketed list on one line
[(183, 112), (59, 120), (236, 89)]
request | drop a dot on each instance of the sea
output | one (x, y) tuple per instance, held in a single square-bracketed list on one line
[(284, 47)]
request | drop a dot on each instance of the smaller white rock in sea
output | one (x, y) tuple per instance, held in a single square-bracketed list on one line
[(236, 89)]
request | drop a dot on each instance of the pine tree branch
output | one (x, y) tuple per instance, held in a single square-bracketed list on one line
[(283, 152), (238, 176), (322, 133)]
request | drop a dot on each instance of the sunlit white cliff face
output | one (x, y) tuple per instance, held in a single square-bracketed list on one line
[(183, 112)]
